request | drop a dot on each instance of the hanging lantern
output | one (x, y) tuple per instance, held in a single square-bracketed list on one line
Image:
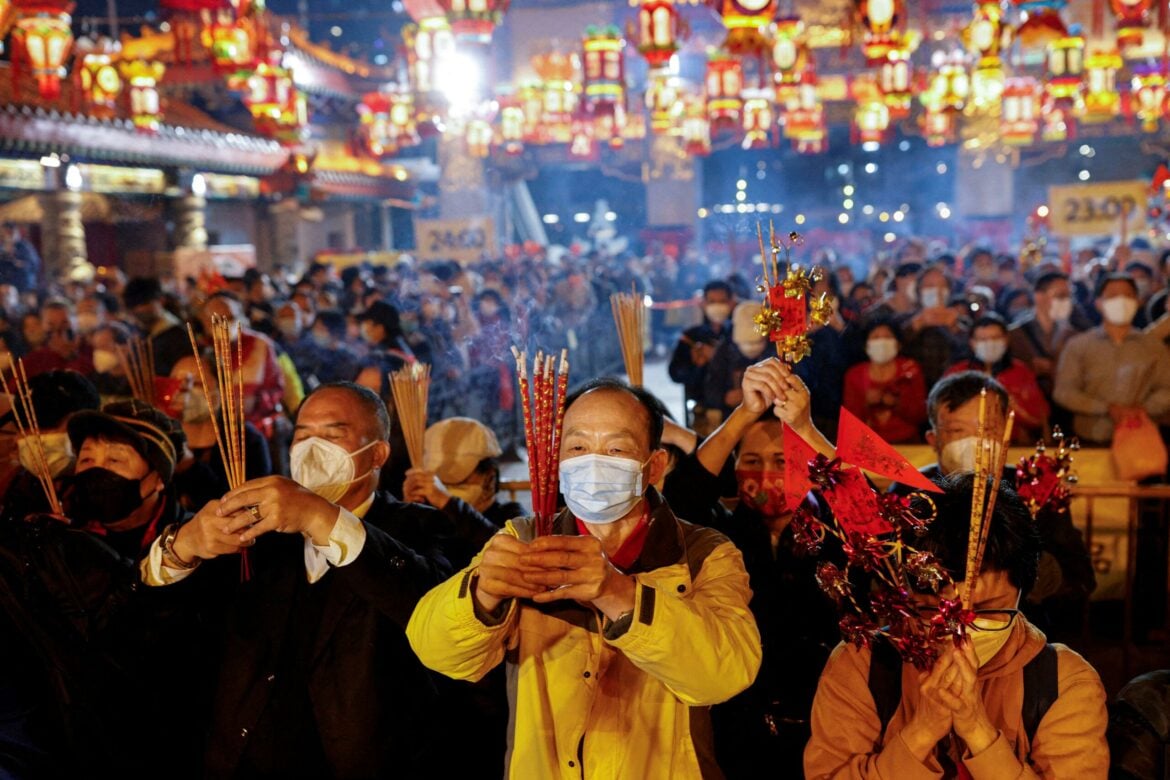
[(872, 120), (790, 56), (662, 102), (1066, 67), (142, 78), (474, 20), (938, 127), (1041, 24), (232, 47), (101, 83), (186, 18), (530, 97), (757, 119), (42, 36), (660, 28), (746, 22), (878, 18), (478, 136), (986, 37), (696, 130), (609, 124), (1148, 96), (895, 83), (1131, 17), (949, 88), (804, 115), (279, 110), (603, 67), (428, 44), (404, 128), (558, 96), (582, 145), (1019, 120), (724, 85), (814, 143), (1102, 101), (1057, 123), (374, 125), (512, 126)]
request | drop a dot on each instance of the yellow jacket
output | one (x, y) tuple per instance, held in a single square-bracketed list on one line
[(596, 699)]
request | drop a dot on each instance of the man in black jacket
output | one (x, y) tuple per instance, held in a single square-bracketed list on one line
[(315, 678)]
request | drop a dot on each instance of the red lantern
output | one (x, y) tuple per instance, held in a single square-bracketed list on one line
[(986, 37), (43, 36), (186, 19), (474, 20), (660, 28), (895, 82), (938, 127), (805, 117), (746, 22), (231, 41), (1148, 96), (142, 77), (558, 98), (757, 119), (1019, 119), (724, 85), (1057, 122), (696, 130), (1132, 16), (512, 126), (374, 128), (879, 17), (872, 120), (1041, 25), (662, 102), (1066, 68)]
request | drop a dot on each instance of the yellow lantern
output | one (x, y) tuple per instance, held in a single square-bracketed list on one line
[(895, 81), (512, 128), (757, 119), (724, 85), (873, 120), (1148, 93), (878, 17), (662, 102), (1102, 101), (696, 131), (142, 77), (478, 136), (1019, 119), (790, 56), (100, 81)]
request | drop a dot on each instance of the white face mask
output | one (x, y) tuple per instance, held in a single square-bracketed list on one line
[(58, 452), (1119, 310), (990, 351), (324, 467), (931, 298), (1060, 309), (105, 361), (881, 350), (959, 455), (601, 488), (717, 312)]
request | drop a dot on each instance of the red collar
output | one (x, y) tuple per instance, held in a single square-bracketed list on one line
[(631, 548)]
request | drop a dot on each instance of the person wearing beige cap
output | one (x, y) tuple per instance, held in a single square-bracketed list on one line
[(461, 471)]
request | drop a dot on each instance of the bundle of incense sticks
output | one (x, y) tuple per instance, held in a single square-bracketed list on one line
[(410, 386), (543, 399), (137, 359), (989, 463), (229, 378), (29, 430), (630, 317)]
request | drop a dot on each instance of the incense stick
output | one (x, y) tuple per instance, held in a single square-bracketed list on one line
[(27, 427), (542, 398), (629, 314), (410, 387), (989, 465), (137, 360)]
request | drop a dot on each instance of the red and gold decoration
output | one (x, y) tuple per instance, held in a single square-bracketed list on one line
[(1041, 23), (786, 314), (747, 24), (474, 20), (1020, 115), (1102, 101), (660, 29), (142, 79), (724, 85), (1131, 18), (696, 128), (876, 533), (42, 36), (278, 108), (804, 119), (387, 123), (896, 82), (790, 58), (427, 43), (604, 82), (986, 38), (187, 19), (1148, 96), (663, 102), (872, 122), (879, 18), (101, 83), (542, 399), (551, 121), (1044, 478), (758, 118), (512, 126)]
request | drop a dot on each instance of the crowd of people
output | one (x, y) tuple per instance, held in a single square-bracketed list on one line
[(342, 613)]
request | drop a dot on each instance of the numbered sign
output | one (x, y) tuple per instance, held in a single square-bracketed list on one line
[(463, 240), (1098, 209)]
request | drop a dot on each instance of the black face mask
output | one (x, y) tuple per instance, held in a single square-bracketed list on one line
[(101, 496)]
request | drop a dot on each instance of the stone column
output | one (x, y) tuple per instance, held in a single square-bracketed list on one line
[(64, 234), (189, 213)]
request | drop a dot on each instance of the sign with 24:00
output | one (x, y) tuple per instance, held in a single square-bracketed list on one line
[(1097, 209), (463, 240)]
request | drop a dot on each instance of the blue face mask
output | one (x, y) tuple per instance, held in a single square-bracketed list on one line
[(601, 489)]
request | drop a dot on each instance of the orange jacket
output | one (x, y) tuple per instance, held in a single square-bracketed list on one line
[(1070, 740)]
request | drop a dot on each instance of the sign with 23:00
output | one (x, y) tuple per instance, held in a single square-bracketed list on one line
[(462, 240), (1097, 209)]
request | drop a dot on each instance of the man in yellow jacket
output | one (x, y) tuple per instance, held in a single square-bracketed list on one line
[(619, 630)]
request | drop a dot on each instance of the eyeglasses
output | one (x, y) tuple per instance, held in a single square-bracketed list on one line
[(1001, 618)]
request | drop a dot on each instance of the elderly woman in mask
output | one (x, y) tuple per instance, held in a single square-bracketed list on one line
[(200, 475)]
